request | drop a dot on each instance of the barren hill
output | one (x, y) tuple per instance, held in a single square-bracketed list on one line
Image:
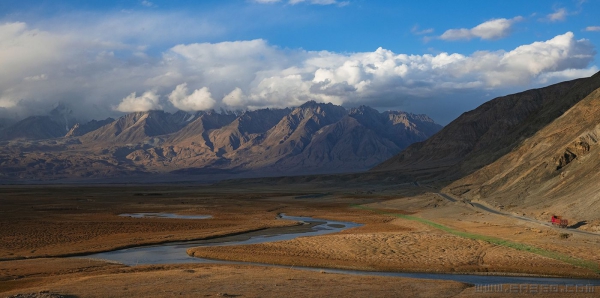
[(481, 136), (556, 171)]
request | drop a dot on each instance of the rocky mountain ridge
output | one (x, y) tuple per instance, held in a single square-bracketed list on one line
[(311, 139)]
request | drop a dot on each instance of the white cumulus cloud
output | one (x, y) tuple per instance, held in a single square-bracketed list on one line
[(567, 74), (41, 67), (492, 29), (199, 100), (146, 102), (235, 98)]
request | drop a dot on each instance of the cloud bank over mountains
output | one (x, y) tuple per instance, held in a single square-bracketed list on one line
[(99, 77)]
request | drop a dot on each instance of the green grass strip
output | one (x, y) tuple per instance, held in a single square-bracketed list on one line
[(497, 241)]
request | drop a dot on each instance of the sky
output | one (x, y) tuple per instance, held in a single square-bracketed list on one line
[(440, 58)]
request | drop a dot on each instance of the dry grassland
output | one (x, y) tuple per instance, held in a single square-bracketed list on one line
[(42, 224)]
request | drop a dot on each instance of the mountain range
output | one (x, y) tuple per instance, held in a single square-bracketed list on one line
[(531, 152), (311, 139)]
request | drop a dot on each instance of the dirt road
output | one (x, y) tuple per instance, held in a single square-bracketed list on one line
[(523, 218)]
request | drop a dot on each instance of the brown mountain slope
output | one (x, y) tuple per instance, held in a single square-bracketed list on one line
[(134, 128), (557, 170), (344, 146), (198, 128), (290, 136), (80, 129), (245, 128), (324, 138), (402, 128), (293, 133), (481, 136)]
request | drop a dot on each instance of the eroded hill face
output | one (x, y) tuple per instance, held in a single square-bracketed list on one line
[(479, 137), (311, 139), (556, 171)]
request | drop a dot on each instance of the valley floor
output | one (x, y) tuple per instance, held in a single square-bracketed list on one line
[(411, 228)]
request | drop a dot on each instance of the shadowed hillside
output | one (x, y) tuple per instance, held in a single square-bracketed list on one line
[(554, 171), (481, 136)]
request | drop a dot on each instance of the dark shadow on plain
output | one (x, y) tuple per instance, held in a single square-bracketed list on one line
[(579, 224)]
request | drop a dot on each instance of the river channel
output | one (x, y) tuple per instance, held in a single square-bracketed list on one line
[(175, 253)]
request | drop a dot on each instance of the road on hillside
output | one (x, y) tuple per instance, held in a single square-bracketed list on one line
[(447, 197), (523, 218)]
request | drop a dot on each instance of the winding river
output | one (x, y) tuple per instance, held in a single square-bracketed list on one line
[(175, 253)]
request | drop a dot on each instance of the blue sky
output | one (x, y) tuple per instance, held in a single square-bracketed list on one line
[(441, 58)]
